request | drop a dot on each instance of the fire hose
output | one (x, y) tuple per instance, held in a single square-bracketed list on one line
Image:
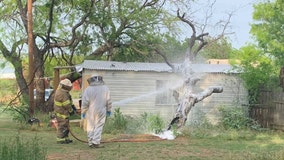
[(114, 140), (83, 141)]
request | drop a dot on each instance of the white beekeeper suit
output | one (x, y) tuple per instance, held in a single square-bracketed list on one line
[(96, 102)]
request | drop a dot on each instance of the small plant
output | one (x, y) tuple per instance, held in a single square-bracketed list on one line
[(19, 114), (116, 124), (18, 149), (133, 125), (119, 120), (155, 123)]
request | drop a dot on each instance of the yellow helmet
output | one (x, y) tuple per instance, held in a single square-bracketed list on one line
[(66, 84)]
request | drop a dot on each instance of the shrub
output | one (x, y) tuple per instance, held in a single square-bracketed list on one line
[(133, 125), (155, 123), (236, 118), (136, 124), (115, 124)]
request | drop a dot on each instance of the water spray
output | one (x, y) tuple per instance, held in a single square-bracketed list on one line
[(137, 98)]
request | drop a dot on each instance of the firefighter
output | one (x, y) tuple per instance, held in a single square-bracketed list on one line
[(63, 108), (96, 106)]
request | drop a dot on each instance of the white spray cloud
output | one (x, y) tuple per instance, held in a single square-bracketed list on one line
[(168, 134), (149, 94)]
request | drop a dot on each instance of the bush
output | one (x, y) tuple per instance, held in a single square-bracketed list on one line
[(115, 124), (136, 124), (20, 150), (236, 118), (133, 125), (155, 123)]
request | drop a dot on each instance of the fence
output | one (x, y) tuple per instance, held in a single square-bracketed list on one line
[(270, 112), (263, 115)]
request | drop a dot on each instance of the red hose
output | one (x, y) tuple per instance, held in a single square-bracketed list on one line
[(118, 140)]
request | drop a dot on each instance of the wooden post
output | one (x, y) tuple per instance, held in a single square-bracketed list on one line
[(56, 78), (31, 61), (57, 75)]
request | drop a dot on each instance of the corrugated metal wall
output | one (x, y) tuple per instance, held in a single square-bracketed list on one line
[(134, 92), (233, 94)]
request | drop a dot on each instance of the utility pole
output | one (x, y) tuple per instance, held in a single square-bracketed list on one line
[(31, 57)]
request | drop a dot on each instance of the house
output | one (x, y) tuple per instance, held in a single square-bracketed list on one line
[(147, 87)]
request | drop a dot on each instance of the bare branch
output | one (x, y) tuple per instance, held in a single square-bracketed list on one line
[(74, 35), (101, 50), (23, 13), (148, 3), (165, 58), (50, 22), (187, 22)]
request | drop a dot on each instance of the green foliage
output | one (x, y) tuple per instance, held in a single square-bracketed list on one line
[(116, 124), (236, 118), (22, 149), (256, 69), (50, 63), (137, 124), (20, 114), (172, 48), (219, 144), (268, 27), (119, 120), (155, 123), (144, 123), (220, 49), (260, 63)]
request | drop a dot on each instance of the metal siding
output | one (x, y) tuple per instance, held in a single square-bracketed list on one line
[(233, 91), (125, 85), (153, 67)]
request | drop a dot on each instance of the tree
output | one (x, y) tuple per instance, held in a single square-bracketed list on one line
[(260, 63), (47, 38), (186, 98), (105, 29), (256, 69), (218, 49), (127, 28), (65, 28), (267, 29)]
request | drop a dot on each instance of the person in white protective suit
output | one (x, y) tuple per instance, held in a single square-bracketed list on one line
[(96, 105)]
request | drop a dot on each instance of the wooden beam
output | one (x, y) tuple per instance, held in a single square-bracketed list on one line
[(57, 74)]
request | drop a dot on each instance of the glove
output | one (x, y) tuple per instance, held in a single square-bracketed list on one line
[(83, 115), (82, 122), (108, 113)]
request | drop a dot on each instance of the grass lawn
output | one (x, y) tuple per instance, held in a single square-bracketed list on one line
[(193, 144), (204, 145)]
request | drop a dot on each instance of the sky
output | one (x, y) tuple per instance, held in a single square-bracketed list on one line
[(241, 19), (239, 23)]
